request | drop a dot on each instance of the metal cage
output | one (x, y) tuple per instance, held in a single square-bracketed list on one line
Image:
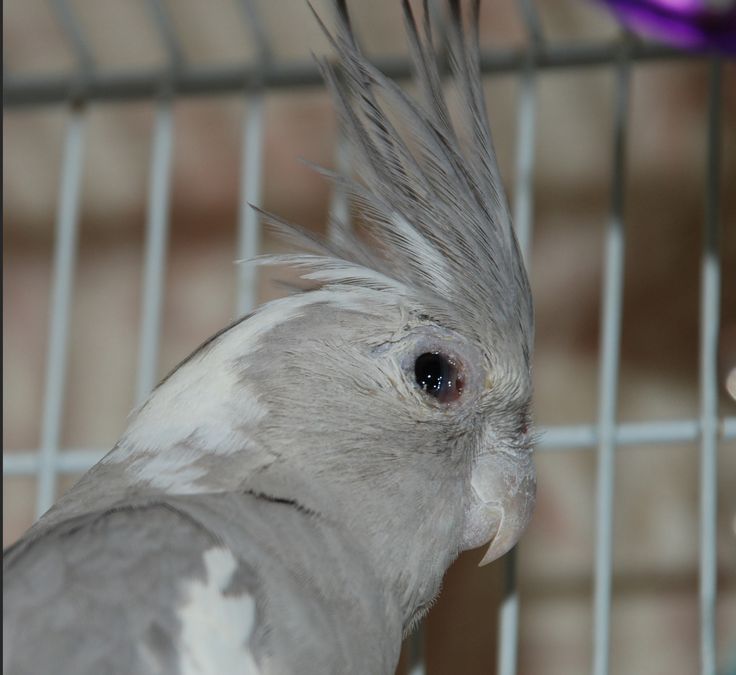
[(88, 85)]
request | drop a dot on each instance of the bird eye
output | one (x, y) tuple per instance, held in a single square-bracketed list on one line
[(438, 376)]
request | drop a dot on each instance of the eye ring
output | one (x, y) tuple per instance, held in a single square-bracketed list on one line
[(438, 376)]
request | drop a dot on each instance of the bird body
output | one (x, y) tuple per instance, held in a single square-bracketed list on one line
[(210, 583), (289, 498)]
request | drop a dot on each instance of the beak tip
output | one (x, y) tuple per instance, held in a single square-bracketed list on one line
[(512, 524), (494, 552), (504, 491)]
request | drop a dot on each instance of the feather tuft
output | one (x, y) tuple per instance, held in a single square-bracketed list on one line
[(434, 208)]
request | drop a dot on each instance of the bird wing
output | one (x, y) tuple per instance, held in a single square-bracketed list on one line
[(178, 585)]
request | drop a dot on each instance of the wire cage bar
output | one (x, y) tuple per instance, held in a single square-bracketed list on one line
[(155, 256), (218, 80), (710, 301), (508, 637), (57, 346), (607, 437), (608, 378)]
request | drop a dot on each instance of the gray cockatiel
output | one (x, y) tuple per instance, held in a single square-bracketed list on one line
[(289, 498)]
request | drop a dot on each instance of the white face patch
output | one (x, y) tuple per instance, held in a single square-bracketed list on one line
[(204, 409), (215, 629), (206, 412)]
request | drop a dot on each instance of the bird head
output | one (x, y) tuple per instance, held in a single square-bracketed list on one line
[(392, 393), (415, 367)]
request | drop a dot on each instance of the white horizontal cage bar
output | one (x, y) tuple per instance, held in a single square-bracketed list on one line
[(559, 438)]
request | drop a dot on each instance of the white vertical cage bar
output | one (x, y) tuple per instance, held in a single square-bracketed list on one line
[(157, 222), (255, 25), (508, 636), (167, 35), (154, 273), (508, 643), (416, 652), (526, 138), (73, 30), (249, 222), (709, 324), (612, 302), (249, 225), (65, 254), (508, 630), (533, 27)]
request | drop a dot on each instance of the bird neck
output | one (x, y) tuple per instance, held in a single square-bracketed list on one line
[(402, 536)]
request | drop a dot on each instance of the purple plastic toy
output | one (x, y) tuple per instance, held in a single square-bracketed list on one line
[(702, 25)]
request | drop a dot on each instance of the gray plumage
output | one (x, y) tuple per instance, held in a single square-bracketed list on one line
[(288, 499)]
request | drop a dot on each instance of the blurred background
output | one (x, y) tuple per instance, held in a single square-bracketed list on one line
[(655, 624)]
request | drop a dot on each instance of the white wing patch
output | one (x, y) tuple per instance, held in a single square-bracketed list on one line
[(215, 628)]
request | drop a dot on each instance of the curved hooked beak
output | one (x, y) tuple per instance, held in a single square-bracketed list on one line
[(504, 488)]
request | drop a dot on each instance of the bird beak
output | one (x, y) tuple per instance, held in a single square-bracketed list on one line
[(504, 486)]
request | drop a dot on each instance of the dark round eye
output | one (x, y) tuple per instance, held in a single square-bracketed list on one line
[(438, 376)]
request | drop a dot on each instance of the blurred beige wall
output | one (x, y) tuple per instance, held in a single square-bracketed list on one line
[(655, 623)]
